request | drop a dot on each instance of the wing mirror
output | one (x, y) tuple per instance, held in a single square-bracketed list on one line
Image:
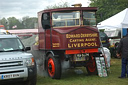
[(27, 48)]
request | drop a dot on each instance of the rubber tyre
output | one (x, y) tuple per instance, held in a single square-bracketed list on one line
[(91, 67), (53, 66)]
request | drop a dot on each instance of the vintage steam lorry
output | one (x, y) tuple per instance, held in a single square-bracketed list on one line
[(67, 35)]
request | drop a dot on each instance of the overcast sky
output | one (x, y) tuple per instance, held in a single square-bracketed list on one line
[(21, 8)]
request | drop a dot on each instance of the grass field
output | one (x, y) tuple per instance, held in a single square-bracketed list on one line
[(70, 77)]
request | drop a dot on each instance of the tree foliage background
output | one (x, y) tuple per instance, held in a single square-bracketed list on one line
[(108, 8), (24, 23), (27, 22), (59, 5)]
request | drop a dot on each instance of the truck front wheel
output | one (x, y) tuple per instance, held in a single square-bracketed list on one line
[(91, 67), (53, 67)]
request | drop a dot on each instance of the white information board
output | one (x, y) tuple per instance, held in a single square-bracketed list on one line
[(101, 66)]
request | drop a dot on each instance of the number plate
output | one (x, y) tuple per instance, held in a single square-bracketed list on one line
[(79, 57), (103, 41), (9, 76)]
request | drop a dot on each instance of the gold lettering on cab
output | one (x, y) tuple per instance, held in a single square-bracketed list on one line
[(90, 39), (76, 40), (82, 44), (55, 44), (81, 35), (82, 40)]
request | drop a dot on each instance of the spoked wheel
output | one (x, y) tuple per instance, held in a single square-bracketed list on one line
[(53, 67), (91, 67)]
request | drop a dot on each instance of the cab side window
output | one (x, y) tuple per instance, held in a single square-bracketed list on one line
[(46, 20)]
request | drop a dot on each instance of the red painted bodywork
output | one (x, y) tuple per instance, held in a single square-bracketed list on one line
[(87, 37), (81, 51), (65, 42)]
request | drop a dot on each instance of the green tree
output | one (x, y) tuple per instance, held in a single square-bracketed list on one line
[(29, 23), (12, 21), (59, 5), (3, 21), (108, 8), (26, 23)]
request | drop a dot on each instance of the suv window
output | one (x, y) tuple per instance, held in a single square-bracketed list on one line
[(104, 39), (102, 34), (10, 44)]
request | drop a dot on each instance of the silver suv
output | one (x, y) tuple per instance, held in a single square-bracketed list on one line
[(16, 64)]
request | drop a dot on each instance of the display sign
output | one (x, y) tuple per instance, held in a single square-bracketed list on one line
[(101, 66), (82, 40)]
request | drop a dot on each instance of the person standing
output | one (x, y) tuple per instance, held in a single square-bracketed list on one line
[(122, 50)]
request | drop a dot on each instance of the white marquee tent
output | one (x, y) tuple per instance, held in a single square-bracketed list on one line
[(120, 20)]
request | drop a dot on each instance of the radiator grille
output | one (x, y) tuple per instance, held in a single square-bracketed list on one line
[(9, 64)]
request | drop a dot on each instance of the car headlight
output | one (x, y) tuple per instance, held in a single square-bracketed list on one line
[(29, 62)]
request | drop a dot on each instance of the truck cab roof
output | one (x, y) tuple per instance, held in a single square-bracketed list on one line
[(69, 9)]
